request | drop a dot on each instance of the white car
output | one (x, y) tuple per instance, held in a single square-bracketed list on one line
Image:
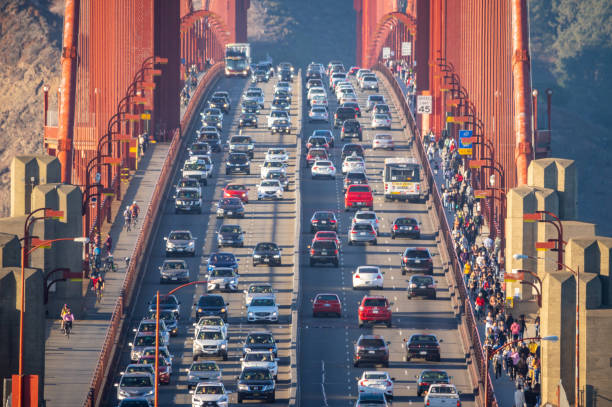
[(375, 381), (210, 341), (277, 154), (315, 91), (442, 395), (319, 100), (258, 290), (353, 163), (264, 359), (215, 322), (282, 86), (384, 141), (209, 394), (323, 168), (348, 98), (369, 83), (197, 169), (367, 216), (367, 277), (318, 113), (269, 189), (277, 114), (222, 278), (268, 166), (381, 121), (263, 308), (256, 95)]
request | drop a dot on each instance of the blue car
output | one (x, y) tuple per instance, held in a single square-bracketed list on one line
[(222, 259)]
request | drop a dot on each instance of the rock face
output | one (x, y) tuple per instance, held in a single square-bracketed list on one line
[(30, 41)]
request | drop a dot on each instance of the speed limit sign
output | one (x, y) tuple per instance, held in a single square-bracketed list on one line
[(424, 104)]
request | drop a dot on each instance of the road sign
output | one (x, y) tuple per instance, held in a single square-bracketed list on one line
[(386, 53), (424, 104), (406, 49), (465, 147)]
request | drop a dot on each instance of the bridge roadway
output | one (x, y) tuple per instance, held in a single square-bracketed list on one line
[(264, 221), (326, 373)]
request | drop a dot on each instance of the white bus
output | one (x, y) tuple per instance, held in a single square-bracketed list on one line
[(402, 178)]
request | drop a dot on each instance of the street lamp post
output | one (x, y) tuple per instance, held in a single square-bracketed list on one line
[(540, 216)]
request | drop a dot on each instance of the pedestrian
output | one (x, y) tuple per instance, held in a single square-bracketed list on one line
[(537, 326), (467, 271), (523, 326), (108, 244), (480, 302), (515, 330), (519, 397), (497, 365)]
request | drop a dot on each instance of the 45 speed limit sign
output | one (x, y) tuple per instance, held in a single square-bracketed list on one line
[(424, 104)]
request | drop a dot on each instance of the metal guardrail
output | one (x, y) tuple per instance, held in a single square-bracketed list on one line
[(469, 328), (126, 294)]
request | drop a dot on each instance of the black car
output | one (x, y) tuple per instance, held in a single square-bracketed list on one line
[(351, 129), (213, 121), (267, 253), (260, 75), (259, 341), (166, 303), (313, 74), (187, 200), (247, 120), (285, 75), (249, 106), (350, 148), (354, 178), (174, 271), (417, 259), (323, 220), (169, 319), (200, 148), (422, 346), (422, 286), (313, 82), (279, 104), (405, 227), (256, 383), (212, 139), (324, 251), (230, 235), (211, 305), (220, 103), (230, 208), (342, 114), (371, 349), (353, 105), (238, 162), (281, 126), (429, 377)]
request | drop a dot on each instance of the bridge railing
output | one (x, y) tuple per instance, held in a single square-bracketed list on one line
[(468, 328), (117, 327)]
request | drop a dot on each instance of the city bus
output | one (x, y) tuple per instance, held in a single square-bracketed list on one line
[(402, 178)]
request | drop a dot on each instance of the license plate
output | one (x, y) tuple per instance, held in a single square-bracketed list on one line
[(361, 203), (417, 261), (371, 351), (266, 260), (375, 311), (362, 233), (323, 252), (327, 305), (323, 222), (422, 286), (423, 352), (229, 212), (174, 278), (404, 228)]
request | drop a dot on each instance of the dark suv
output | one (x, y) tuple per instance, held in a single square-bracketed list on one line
[(238, 162), (267, 253), (324, 251), (371, 349), (422, 286), (211, 305), (354, 178), (256, 383), (422, 346), (350, 148), (351, 129), (259, 341), (323, 220), (405, 226), (417, 260), (342, 114)]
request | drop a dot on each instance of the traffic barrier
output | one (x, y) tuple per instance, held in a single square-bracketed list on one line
[(468, 327), (116, 331)]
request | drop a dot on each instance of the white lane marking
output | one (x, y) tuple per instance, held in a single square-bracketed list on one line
[(323, 383)]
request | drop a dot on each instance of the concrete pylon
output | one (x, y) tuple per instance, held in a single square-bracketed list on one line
[(10, 250), (26, 172), (605, 270), (560, 175)]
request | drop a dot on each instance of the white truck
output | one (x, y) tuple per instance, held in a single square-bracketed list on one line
[(237, 59), (442, 395)]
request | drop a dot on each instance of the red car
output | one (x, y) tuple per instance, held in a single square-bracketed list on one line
[(326, 235), (315, 154), (375, 309), (165, 370), (328, 304), (236, 191), (358, 197)]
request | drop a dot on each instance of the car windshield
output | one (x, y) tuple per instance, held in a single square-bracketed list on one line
[(186, 183), (275, 175), (148, 340), (376, 98), (195, 166), (351, 126), (430, 376), (210, 335), (212, 118), (381, 116), (205, 367), (262, 302), (222, 258), (138, 369), (318, 153), (418, 280), (322, 133), (423, 338), (210, 322), (252, 93), (210, 136), (375, 302), (211, 301), (138, 381), (256, 375), (180, 236), (359, 188), (327, 297), (222, 272), (323, 215), (235, 187), (317, 140), (362, 226), (417, 254), (209, 389), (405, 221), (372, 343), (278, 114), (174, 265), (147, 327), (276, 151), (230, 201), (375, 376), (355, 175), (229, 229), (260, 289), (324, 245), (273, 164), (368, 270), (187, 194), (240, 139), (367, 216), (238, 158), (319, 110), (258, 357), (199, 146), (323, 163), (163, 315), (260, 338), (270, 184), (442, 390), (265, 247)]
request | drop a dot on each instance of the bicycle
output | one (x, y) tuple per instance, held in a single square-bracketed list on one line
[(127, 224), (99, 291), (67, 328), (109, 264)]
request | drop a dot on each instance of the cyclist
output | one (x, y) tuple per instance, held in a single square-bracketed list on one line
[(98, 285), (135, 209), (65, 310), (127, 216), (67, 319), (97, 258)]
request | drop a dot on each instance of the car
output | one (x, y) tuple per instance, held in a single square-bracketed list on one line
[(323, 168), (354, 106), (277, 114), (211, 322), (260, 75), (222, 278), (315, 91), (327, 235), (210, 341), (211, 305), (230, 207), (169, 319), (317, 142), (416, 259), (259, 341), (351, 148), (381, 108), (272, 165), (405, 226), (383, 141), (280, 104), (353, 163), (166, 303), (285, 75), (220, 103), (369, 83), (348, 97), (319, 100), (351, 129), (236, 190), (371, 349), (210, 136), (428, 377), (204, 371), (329, 136), (256, 290), (136, 385), (263, 308), (165, 368), (213, 111), (250, 106), (376, 381), (361, 72), (140, 342), (326, 304), (352, 71), (354, 178), (323, 220), (197, 168), (238, 162), (441, 395), (199, 148), (342, 114), (269, 189), (161, 350), (281, 126), (222, 259), (315, 154), (373, 100), (335, 78), (375, 309), (247, 120), (358, 196), (422, 346), (368, 276), (148, 326), (371, 400), (276, 154), (319, 114), (324, 251), (187, 200), (230, 235), (381, 121), (422, 286), (180, 242), (174, 271), (314, 82), (256, 383), (282, 85), (223, 93), (209, 394), (367, 216), (362, 232), (264, 359), (212, 121), (139, 368), (242, 144)]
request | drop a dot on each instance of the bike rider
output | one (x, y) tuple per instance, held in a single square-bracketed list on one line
[(67, 318), (127, 216), (135, 210), (97, 258), (97, 282), (65, 310)]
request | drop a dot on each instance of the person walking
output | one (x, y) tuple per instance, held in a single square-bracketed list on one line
[(515, 330), (497, 365), (519, 397), (108, 244), (127, 218)]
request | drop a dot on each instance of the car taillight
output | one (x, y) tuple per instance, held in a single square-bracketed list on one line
[(416, 227), (372, 232), (427, 403), (353, 231), (378, 277), (376, 220), (315, 168), (332, 221), (336, 251), (357, 276), (412, 285), (424, 384), (418, 187), (332, 168), (312, 251), (458, 403), (406, 259), (315, 221), (395, 227), (388, 383)]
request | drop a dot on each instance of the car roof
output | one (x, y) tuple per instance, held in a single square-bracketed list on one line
[(374, 297), (371, 336), (180, 231)]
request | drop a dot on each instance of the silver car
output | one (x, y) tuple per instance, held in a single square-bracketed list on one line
[(135, 385), (318, 113), (180, 242), (210, 342), (222, 278), (261, 359), (381, 121), (257, 290), (173, 271), (209, 394), (206, 371), (384, 141), (367, 216), (362, 232)]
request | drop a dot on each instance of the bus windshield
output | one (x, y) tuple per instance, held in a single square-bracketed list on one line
[(236, 64), (402, 174)]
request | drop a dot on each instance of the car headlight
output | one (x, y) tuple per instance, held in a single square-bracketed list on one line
[(149, 393), (200, 310), (251, 314), (274, 314), (223, 310), (123, 393), (223, 346), (191, 244), (277, 256), (257, 256), (243, 387), (170, 245)]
